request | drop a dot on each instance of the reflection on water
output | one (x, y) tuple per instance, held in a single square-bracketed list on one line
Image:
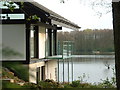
[(95, 67)]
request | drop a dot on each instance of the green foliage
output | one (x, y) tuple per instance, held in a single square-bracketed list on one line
[(48, 84), (45, 84), (19, 69), (67, 85), (75, 83), (7, 74), (109, 83), (33, 17), (88, 41), (10, 5), (22, 4), (106, 84), (30, 86), (9, 85)]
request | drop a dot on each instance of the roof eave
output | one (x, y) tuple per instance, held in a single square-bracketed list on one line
[(53, 15)]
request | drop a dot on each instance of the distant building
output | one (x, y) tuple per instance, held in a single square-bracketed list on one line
[(96, 52)]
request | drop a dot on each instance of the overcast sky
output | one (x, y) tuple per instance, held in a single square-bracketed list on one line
[(79, 13)]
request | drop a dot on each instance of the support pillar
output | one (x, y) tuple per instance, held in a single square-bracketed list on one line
[(27, 42), (50, 41), (58, 70), (68, 71), (55, 41), (63, 70), (72, 68)]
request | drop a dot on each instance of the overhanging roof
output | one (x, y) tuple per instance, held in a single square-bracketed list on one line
[(56, 18), (115, 0)]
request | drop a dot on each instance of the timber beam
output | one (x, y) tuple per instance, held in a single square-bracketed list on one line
[(8, 11)]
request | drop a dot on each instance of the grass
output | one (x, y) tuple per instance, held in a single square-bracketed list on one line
[(9, 85)]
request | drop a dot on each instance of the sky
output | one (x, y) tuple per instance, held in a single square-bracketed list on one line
[(79, 13)]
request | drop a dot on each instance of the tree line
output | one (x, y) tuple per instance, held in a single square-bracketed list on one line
[(88, 41)]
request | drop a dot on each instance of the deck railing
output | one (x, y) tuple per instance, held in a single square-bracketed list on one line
[(65, 49)]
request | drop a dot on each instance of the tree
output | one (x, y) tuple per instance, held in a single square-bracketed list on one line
[(116, 26), (88, 40), (96, 5)]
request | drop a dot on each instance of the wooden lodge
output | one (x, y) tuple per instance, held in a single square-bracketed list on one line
[(29, 36)]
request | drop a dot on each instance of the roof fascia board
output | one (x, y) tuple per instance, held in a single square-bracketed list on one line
[(8, 11), (64, 25), (44, 25), (14, 21), (64, 22), (115, 0)]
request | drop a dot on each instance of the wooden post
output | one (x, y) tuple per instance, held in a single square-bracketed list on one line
[(68, 58), (55, 41), (58, 70), (68, 71), (72, 60), (36, 42), (72, 68), (50, 41), (116, 27), (27, 42), (63, 70)]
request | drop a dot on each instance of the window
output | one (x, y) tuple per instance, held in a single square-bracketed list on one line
[(38, 74), (34, 42), (12, 16), (51, 41)]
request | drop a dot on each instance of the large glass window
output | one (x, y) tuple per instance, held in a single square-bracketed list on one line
[(50, 42), (47, 44), (34, 42)]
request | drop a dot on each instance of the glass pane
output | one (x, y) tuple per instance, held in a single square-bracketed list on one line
[(32, 43)]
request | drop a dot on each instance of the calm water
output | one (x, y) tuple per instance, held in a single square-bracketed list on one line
[(95, 68)]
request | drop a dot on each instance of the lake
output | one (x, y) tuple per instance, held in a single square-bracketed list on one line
[(92, 68)]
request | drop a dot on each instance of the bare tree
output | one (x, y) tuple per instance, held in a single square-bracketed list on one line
[(100, 7)]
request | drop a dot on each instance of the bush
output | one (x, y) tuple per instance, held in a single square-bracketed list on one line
[(75, 83), (49, 84), (106, 84), (30, 85), (67, 86)]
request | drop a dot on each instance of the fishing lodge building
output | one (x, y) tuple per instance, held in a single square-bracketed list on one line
[(29, 36)]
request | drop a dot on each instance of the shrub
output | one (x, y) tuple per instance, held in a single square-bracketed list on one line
[(48, 84), (30, 85), (106, 84), (75, 83), (67, 86)]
